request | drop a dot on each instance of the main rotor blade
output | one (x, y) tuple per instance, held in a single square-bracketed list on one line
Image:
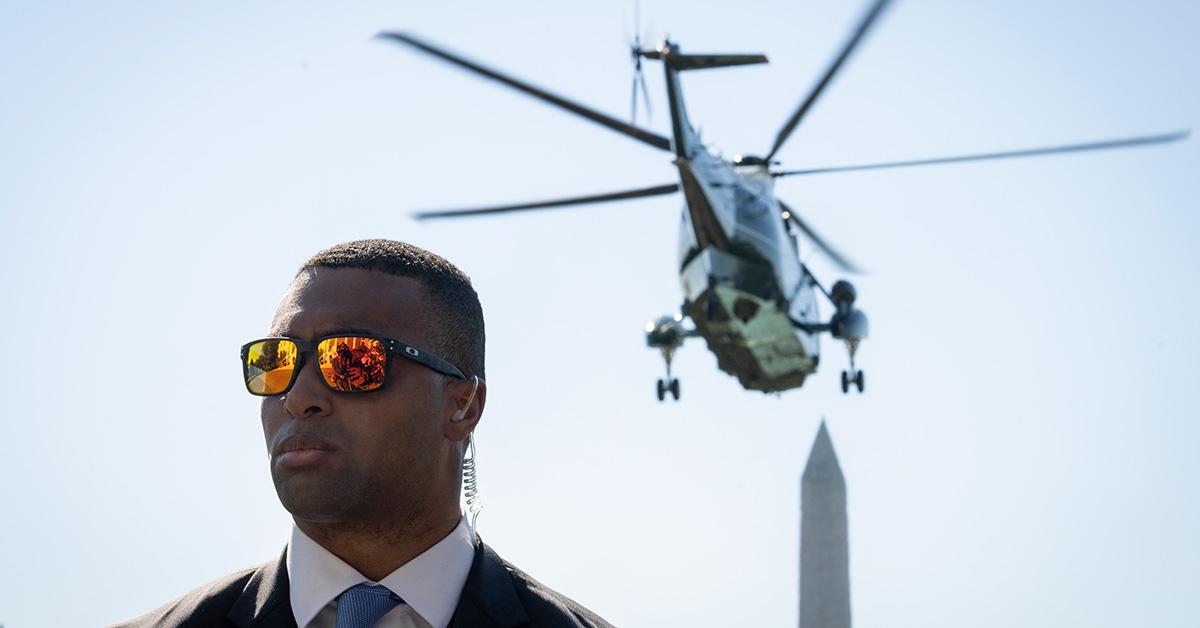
[(1028, 152), (838, 258), (657, 190), (863, 25), (643, 135)]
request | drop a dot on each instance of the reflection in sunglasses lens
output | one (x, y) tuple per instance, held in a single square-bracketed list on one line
[(269, 366), (352, 364)]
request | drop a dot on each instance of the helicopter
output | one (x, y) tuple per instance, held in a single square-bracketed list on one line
[(746, 291)]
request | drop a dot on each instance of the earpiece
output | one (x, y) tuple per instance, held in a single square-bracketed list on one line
[(462, 414)]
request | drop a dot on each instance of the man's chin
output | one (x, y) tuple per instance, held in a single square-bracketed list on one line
[(312, 500)]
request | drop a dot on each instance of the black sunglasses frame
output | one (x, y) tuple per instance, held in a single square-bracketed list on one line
[(305, 348)]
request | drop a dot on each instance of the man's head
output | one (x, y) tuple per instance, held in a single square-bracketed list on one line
[(457, 325), (393, 453)]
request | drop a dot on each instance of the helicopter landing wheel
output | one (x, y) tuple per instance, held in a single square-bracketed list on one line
[(665, 386), (858, 381), (845, 382)]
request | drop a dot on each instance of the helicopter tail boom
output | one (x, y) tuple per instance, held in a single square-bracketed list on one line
[(684, 139)]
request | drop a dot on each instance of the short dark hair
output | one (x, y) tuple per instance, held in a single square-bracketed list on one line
[(458, 326)]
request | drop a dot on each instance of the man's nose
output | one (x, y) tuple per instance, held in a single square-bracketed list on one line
[(309, 396)]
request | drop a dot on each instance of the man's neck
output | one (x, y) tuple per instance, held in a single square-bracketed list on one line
[(378, 549)]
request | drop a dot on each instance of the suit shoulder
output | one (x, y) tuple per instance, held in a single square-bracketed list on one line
[(549, 608), (204, 606)]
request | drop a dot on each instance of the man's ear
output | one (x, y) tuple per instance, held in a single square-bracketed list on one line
[(467, 399)]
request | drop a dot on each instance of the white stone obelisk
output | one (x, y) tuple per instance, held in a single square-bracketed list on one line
[(824, 548)]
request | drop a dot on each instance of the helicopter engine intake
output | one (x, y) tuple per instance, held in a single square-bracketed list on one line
[(843, 295)]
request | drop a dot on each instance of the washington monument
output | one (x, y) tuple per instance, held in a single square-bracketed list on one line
[(824, 551)]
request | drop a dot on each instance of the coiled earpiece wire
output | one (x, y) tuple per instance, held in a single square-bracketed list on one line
[(470, 477)]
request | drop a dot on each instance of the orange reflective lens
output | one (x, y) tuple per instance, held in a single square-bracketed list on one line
[(352, 363), (270, 365), (346, 363)]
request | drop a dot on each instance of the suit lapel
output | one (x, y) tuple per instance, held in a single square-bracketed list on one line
[(264, 602), (488, 597)]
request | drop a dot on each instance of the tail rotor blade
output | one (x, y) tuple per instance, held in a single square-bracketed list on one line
[(645, 95), (639, 79), (633, 100)]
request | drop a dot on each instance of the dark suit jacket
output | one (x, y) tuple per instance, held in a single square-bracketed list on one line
[(495, 594)]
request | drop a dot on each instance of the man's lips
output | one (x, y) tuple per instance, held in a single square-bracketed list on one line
[(302, 449)]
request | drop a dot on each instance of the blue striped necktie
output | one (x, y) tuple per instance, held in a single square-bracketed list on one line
[(362, 605)]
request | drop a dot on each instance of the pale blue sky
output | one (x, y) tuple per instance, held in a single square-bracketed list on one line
[(1026, 452)]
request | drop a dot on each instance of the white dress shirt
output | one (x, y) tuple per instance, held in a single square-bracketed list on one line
[(430, 584)]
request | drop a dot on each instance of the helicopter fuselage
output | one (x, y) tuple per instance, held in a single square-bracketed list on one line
[(739, 266), (742, 280)]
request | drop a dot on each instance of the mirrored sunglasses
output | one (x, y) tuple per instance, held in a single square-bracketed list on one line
[(347, 363)]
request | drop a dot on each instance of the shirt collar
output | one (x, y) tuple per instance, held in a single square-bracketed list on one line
[(431, 583)]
